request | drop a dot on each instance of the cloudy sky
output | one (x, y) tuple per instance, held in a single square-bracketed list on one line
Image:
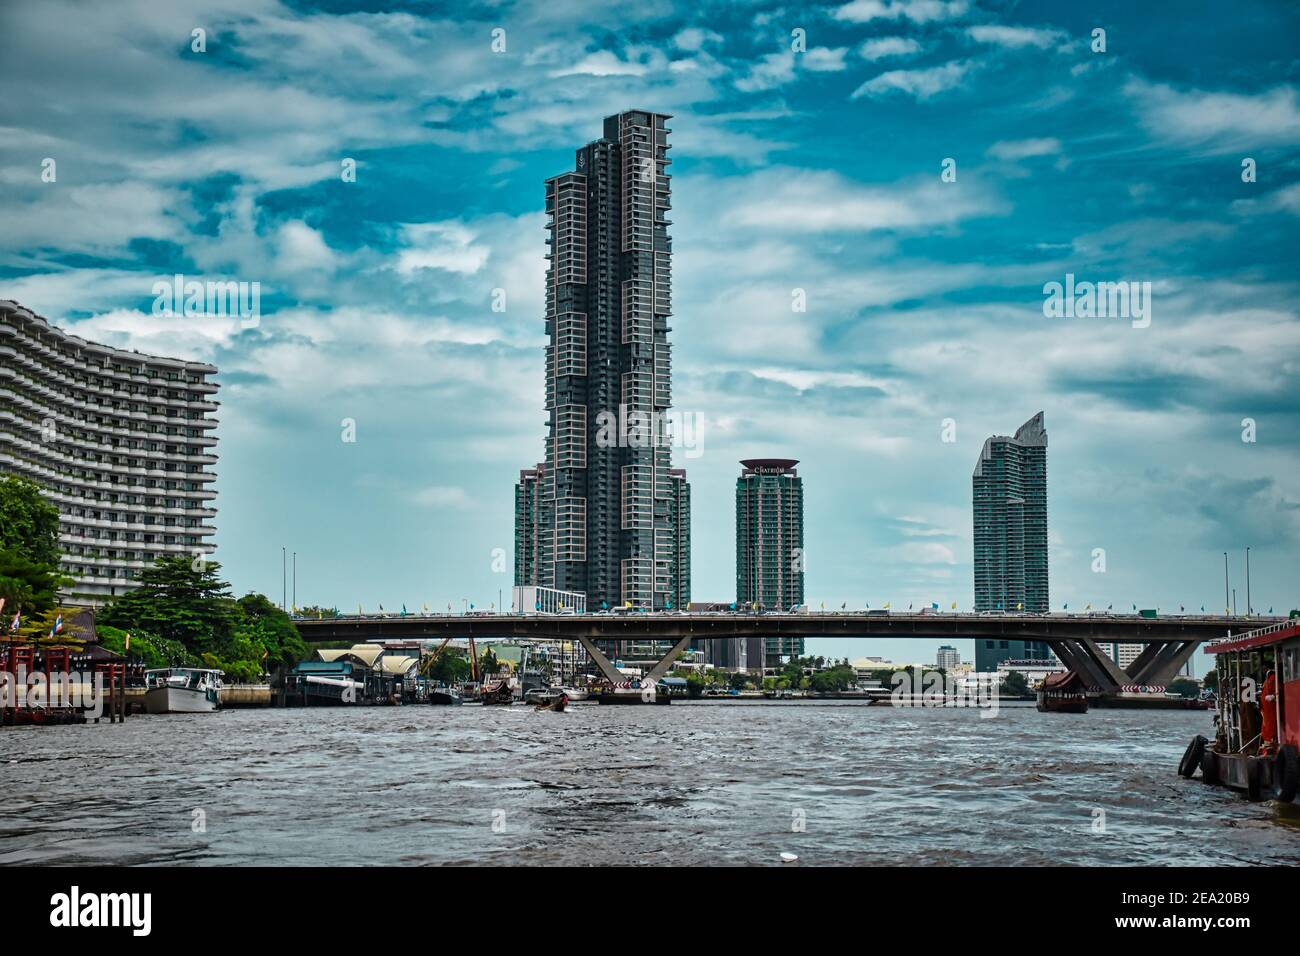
[(816, 168)]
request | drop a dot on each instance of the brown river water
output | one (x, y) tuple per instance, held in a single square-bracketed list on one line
[(729, 783)]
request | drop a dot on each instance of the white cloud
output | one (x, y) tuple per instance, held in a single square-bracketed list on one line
[(437, 496), (777, 69), (926, 552), (1013, 149), (1014, 37), (447, 246), (694, 39), (918, 11), (802, 201), (1221, 120), (922, 84), (881, 47)]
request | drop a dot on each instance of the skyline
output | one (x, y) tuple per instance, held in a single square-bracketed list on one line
[(819, 171)]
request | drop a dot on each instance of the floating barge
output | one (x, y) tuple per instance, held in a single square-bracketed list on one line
[(1256, 746)]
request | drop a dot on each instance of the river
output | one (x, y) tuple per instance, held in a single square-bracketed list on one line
[(691, 783)]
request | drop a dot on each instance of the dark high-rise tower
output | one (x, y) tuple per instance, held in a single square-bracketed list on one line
[(1009, 493), (769, 533), (604, 508)]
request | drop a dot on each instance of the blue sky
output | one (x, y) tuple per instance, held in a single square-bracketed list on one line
[(816, 170)]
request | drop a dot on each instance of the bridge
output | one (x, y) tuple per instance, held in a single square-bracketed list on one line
[(1075, 638)]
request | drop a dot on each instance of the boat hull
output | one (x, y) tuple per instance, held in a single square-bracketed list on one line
[(180, 700), (445, 698), (1048, 704)]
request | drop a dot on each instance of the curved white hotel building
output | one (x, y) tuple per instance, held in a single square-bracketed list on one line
[(123, 443)]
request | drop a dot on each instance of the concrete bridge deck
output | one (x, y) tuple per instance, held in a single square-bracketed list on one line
[(1076, 639)]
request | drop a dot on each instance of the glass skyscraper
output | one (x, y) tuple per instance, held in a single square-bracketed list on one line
[(1009, 493), (602, 514)]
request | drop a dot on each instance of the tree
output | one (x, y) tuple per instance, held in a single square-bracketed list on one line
[(271, 631), (27, 586), (1211, 681), (738, 681), (1015, 684), (488, 663), (1184, 688), (29, 523), (179, 602), (834, 679), (449, 669)]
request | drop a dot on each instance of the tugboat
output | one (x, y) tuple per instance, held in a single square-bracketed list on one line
[(1256, 746)]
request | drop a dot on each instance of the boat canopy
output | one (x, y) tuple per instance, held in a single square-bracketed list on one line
[(1262, 637)]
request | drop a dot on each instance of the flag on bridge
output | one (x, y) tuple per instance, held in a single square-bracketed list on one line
[(1020, 606), (1065, 607), (1088, 608), (403, 610), (886, 604), (954, 605)]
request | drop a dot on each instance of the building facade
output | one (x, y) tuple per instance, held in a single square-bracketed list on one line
[(1009, 503), (769, 534), (947, 658), (605, 498), (122, 443)]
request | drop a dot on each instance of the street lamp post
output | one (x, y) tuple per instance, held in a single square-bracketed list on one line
[(1225, 582), (1248, 582)]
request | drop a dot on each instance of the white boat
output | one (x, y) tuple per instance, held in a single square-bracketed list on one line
[(575, 693), (182, 690)]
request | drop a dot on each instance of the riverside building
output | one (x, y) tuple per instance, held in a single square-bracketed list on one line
[(121, 442)]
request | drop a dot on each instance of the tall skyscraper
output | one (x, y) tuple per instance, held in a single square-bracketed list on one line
[(769, 540), (605, 502), (121, 442), (1009, 494), (679, 519)]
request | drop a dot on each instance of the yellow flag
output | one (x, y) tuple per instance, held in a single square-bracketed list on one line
[(127, 645), (954, 605), (1020, 607), (886, 604)]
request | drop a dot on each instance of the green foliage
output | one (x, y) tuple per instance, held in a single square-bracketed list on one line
[(833, 679), (488, 663), (182, 614), (179, 602), (1184, 688), (36, 628), (695, 684), (449, 668), (27, 586), (738, 681), (1212, 680), (29, 523), (147, 649), (1015, 684)]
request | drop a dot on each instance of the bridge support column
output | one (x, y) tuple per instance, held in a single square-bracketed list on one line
[(611, 673), (1103, 660), (1077, 659), (1143, 661), (1166, 663), (660, 669)]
